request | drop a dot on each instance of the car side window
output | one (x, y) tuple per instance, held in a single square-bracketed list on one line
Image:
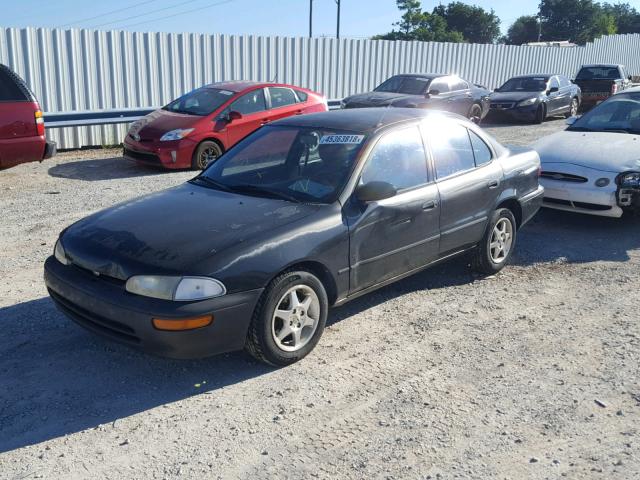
[(249, 103), (458, 84), (398, 158), (481, 152), (564, 82), (553, 83), (440, 84), (281, 97), (9, 90), (302, 96), (452, 150)]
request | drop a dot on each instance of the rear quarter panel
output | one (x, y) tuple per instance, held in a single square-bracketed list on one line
[(521, 166)]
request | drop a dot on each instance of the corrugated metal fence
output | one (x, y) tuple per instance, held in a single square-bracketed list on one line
[(75, 70)]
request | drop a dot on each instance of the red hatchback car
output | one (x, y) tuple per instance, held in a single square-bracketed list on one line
[(21, 123), (198, 127)]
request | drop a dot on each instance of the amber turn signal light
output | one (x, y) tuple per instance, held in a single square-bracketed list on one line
[(177, 324)]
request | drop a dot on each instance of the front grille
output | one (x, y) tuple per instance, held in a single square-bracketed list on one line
[(109, 328), (143, 157), (502, 105), (583, 205), (563, 177)]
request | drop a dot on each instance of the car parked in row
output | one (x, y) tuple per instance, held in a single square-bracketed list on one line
[(22, 136), (533, 98), (593, 166), (307, 212), (195, 129), (433, 91), (598, 82)]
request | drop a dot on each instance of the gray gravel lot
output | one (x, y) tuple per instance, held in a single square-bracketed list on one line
[(532, 373)]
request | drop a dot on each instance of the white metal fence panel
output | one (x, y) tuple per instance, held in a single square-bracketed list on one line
[(76, 70)]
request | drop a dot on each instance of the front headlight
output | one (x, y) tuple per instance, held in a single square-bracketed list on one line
[(181, 289), (60, 254), (629, 179), (177, 134), (527, 102)]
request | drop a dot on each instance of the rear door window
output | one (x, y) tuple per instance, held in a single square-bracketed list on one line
[(440, 84), (458, 84), (249, 103), (281, 97), (452, 150), (302, 96), (9, 89), (481, 151), (553, 83)]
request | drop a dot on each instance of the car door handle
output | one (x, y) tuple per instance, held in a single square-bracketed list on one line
[(430, 205), (493, 184)]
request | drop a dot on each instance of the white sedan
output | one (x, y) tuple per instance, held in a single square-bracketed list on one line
[(593, 166)]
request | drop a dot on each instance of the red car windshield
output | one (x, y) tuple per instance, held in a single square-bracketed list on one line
[(203, 101), (300, 164)]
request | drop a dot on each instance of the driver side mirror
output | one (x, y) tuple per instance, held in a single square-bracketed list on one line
[(553, 90), (496, 89), (233, 116), (375, 191), (434, 92)]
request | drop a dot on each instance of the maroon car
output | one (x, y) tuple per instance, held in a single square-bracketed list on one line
[(198, 127), (21, 123)]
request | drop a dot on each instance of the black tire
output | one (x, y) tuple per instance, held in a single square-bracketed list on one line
[(541, 114), (206, 153), (573, 108), (475, 114), (483, 260), (260, 342)]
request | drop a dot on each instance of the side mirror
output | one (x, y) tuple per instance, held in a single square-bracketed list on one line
[(553, 90), (573, 80), (571, 120), (630, 77), (375, 191), (233, 116), (434, 92), (496, 89)]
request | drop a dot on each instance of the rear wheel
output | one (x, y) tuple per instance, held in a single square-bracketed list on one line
[(498, 242), (475, 114), (289, 319), (573, 109), (206, 153), (541, 114)]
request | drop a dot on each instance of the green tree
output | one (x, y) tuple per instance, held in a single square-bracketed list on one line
[(475, 23), (603, 24), (626, 17), (524, 30)]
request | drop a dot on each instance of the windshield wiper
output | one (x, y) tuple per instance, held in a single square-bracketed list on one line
[(616, 130), (211, 182), (264, 191), (580, 129)]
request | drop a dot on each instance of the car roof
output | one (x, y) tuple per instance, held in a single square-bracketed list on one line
[(241, 85), (361, 120), (422, 75), (532, 75), (607, 65)]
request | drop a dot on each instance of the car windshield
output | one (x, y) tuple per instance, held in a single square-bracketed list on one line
[(621, 113), (406, 85), (203, 101), (526, 84), (598, 73), (299, 164)]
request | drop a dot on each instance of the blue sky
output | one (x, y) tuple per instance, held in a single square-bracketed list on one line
[(360, 18)]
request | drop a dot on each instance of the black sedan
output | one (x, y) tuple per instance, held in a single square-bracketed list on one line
[(437, 92), (533, 98), (305, 213)]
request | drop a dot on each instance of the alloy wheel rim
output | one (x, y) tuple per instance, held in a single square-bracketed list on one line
[(501, 240), (476, 113), (574, 108), (295, 319), (207, 156)]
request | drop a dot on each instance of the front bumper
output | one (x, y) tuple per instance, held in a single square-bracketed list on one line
[(523, 114), (104, 307), (50, 150), (582, 198), (173, 155)]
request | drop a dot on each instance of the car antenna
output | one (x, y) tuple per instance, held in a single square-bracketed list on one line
[(275, 79)]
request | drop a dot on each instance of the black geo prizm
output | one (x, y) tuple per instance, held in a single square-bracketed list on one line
[(305, 213)]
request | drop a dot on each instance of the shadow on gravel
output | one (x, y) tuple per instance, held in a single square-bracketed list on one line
[(555, 235), (57, 379), (103, 169)]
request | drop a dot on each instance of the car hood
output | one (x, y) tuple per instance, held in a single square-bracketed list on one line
[(173, 231), (159, 122), (512, 96), (605, 151), (378, 99)]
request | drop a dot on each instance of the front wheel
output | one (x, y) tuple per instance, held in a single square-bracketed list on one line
[(475, 114), (541, 114), (498, 242), (206, 153), (289, 319)]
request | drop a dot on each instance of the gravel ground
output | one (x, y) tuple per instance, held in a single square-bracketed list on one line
[(532, 373)]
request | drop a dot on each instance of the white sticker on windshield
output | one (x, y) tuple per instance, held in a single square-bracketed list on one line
[(226, 92), (341, 139)]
